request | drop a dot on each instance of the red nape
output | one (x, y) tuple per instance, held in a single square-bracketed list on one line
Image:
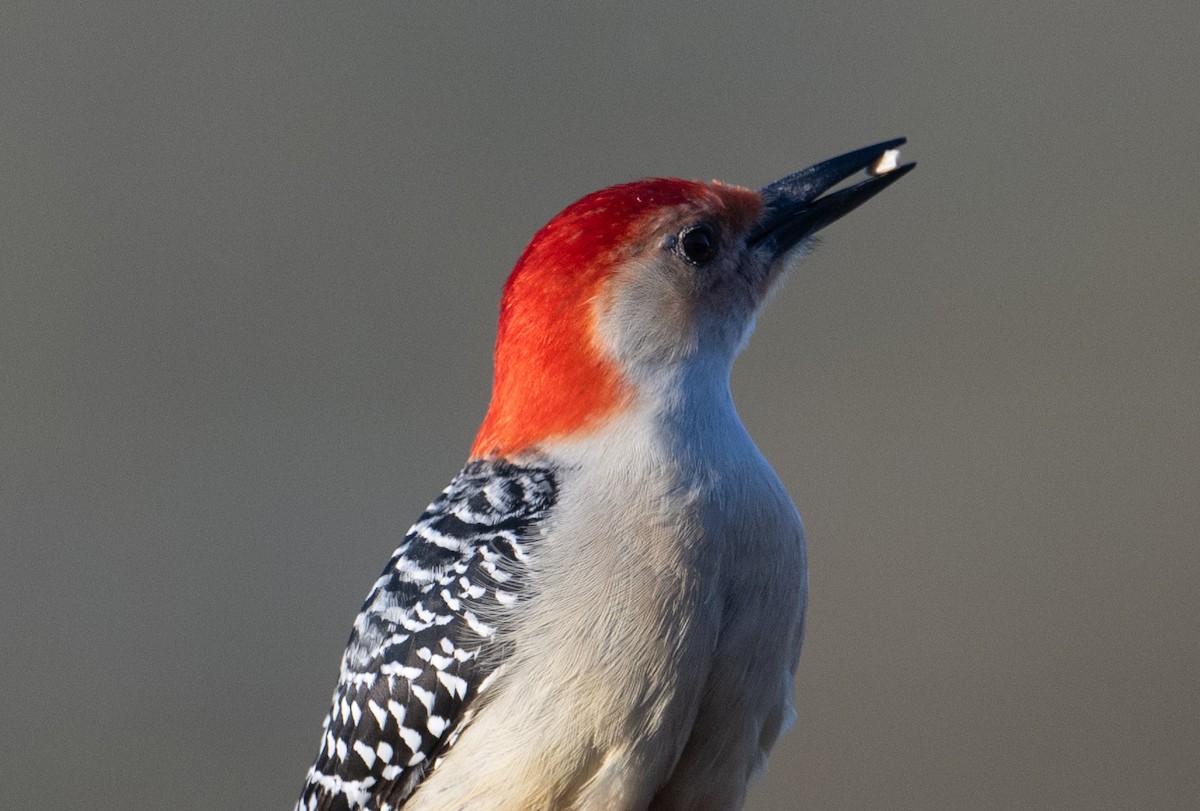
[(551, 379)]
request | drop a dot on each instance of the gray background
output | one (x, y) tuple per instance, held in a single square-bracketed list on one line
[(251, 263)]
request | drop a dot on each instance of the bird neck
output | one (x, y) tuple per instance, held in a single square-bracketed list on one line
[(549, 383)]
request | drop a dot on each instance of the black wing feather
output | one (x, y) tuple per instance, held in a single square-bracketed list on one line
[(426, 640)]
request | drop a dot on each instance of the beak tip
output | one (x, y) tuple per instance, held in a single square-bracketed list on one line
[(794, 205)]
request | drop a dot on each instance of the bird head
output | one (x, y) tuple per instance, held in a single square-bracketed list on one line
[(633, 285)]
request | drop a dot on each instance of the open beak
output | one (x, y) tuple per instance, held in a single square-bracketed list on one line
[(794, 209)]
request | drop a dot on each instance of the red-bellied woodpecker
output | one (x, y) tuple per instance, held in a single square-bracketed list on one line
[(604, 609)]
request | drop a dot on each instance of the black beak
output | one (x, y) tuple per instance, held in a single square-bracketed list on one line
[(793, 207)]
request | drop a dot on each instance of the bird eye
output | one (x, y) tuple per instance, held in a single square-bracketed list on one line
[(698, 243)]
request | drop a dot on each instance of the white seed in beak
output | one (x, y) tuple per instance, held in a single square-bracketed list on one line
[(884, 163)]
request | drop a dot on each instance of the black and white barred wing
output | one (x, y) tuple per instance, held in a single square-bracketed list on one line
[(428, 638)]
